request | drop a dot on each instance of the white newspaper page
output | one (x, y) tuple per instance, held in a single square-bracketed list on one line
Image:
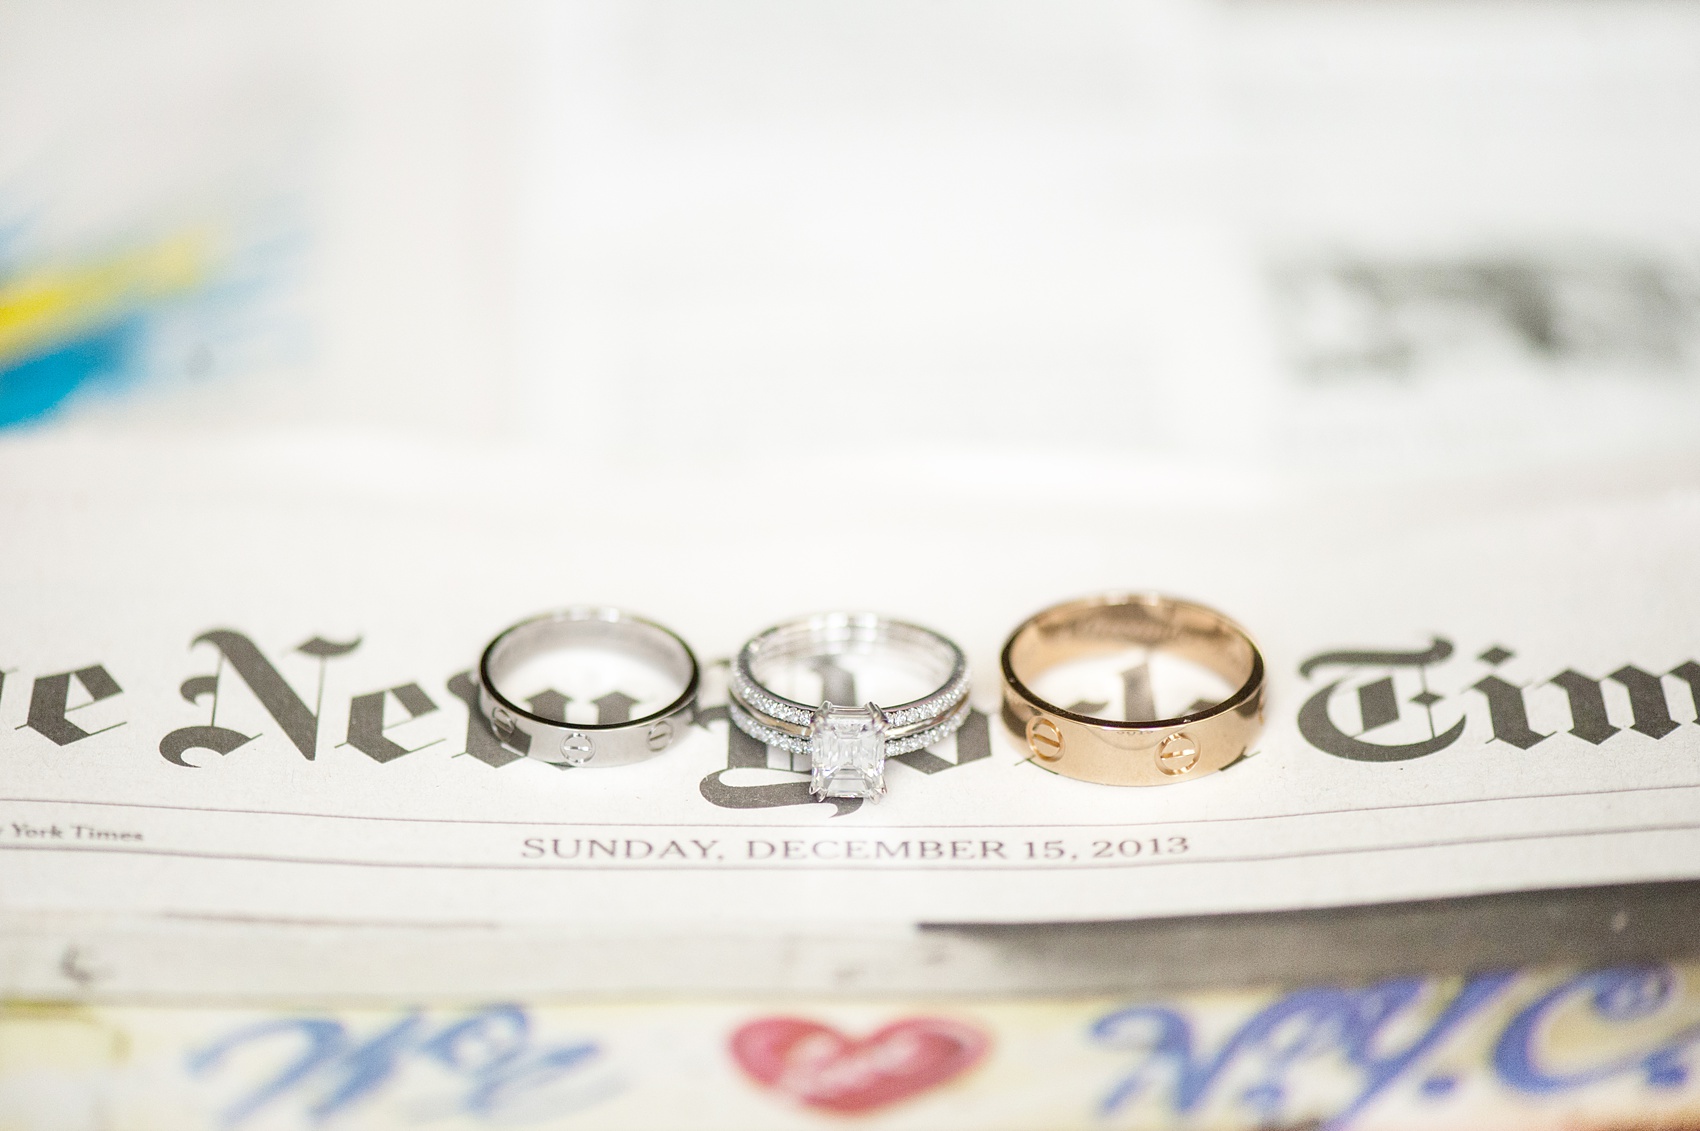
[(233, 691)]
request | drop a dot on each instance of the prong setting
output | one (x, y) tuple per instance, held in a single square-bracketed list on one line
[(847, 751)]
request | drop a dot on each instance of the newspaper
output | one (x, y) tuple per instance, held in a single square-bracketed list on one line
[(243, 705), (398, 378)]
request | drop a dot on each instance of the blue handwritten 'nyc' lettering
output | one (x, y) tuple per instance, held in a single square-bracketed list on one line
[(1621, 996), (1294, 1032), (490, 1059), (1383, 1036)]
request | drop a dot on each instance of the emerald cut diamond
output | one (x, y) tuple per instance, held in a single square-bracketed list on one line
[(847, 751)]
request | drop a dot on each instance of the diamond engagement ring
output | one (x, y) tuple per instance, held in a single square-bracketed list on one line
[(587, 642), (1133, 751), (847, 745)]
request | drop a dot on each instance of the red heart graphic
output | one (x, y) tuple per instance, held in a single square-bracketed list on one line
[(821, 1067)]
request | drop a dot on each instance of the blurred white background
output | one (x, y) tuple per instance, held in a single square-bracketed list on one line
[(1181, 250)]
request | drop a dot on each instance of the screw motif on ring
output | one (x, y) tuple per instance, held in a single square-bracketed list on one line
[(1044, 738), (1177, 755), (576, 750)]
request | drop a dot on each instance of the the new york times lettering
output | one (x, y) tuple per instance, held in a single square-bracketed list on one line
[(1370, 705), (372, 715), (1363, 714), (286, 707)]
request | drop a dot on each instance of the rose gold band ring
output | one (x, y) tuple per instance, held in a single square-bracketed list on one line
[(1139, 752)]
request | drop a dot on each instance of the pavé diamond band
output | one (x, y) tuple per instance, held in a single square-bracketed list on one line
[(595, 628), (1133, 752), (847, 745)]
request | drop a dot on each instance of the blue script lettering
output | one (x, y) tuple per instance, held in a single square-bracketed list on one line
[(489, 1056), (1630, 993), (1345, 1026)]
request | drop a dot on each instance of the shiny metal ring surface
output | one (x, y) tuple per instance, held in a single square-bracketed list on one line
[(1139, 752), (848, 743), (526, 732)]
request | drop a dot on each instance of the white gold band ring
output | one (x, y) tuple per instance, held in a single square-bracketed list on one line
[(555, 740)]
